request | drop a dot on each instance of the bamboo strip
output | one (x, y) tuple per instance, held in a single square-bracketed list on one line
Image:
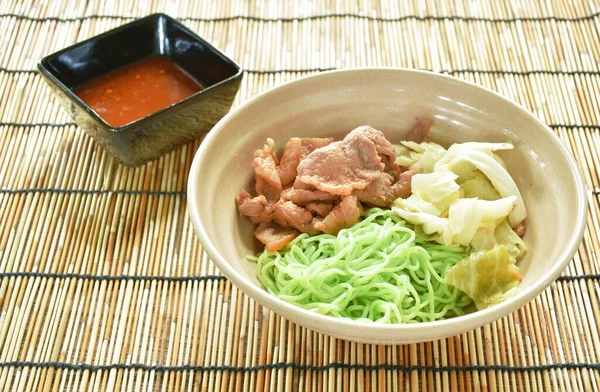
[(212, 323)]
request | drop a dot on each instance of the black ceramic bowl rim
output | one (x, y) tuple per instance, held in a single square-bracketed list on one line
[(41, 66)]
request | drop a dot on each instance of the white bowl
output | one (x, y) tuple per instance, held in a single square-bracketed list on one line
[(334, 103)]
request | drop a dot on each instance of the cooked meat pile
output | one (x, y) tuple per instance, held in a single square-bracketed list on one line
[(318, 185)]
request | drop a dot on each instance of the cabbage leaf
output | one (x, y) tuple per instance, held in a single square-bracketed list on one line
[(435, 187), (465, 196), (486, 148), (505, 235), (466, 190), (421, 157), (465, 217), (465, 162), (478, 186), (488, 277)]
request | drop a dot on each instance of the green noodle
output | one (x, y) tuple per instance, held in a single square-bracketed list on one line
[(378, 270)]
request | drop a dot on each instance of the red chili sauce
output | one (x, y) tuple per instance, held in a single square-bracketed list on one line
[(137, 90)]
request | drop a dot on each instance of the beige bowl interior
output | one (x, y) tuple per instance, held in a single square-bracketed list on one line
[(390, 100)]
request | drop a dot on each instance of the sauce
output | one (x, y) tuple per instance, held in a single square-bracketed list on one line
[(137, 90)]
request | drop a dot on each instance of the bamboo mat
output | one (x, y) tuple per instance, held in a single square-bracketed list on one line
[(104, 286)]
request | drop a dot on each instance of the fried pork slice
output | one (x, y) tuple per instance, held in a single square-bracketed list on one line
[(303, 197), (289, 215), (257, 209), (419, 132), (294, 151), (320, 208), (274, 236), (265, 162), (342, 216), (341, 167), (385, 149)]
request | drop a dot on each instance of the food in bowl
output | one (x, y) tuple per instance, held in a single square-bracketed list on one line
[(333, 103), (371, 231)]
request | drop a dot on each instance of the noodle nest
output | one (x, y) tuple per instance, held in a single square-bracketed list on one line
[(378, 270)]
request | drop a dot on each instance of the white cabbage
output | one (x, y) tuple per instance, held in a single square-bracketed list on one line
[(466, 161), (429, 224), (465, 217), (421, 157), (487, 148), (488, 277), (478, 186), (416, 204), (505, 235), (487, 238), (466, 196), (432, 193), (466, 191), (484, 239), (435, 187)]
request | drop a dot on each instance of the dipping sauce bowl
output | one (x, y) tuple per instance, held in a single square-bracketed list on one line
[(145, 88)]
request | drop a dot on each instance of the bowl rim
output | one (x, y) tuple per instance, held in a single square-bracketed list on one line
[(477, 318), (43, 67)]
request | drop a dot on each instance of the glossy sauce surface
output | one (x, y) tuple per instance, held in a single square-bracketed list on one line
[(138, 90)]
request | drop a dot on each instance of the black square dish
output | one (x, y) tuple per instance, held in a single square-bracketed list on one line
[(160, 132)]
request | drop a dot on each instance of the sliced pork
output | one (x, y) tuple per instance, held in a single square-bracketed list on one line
[(341, 217), (520, 229), (294, 151), (320, 208), (274, 236), (401, 188), (385, 149), (304, 196), (379, 193), (419, 132), (265, 162), (257, 209), (341, 167), (301, 185), (288, 214), (319, 185), (383, 191)]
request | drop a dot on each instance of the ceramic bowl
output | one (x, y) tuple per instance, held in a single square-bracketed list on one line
[(392, 100), (158, 133)]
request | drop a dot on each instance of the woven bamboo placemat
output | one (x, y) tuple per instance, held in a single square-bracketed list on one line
[(104, 286)]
